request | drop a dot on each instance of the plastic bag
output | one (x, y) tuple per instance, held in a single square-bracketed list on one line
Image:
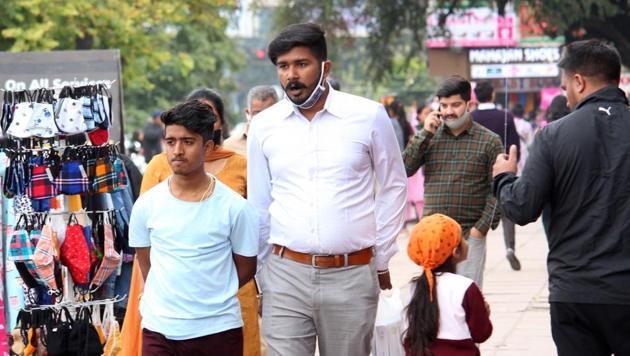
[(389, 326)]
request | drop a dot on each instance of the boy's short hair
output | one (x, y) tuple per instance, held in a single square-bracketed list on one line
[(194, 115)]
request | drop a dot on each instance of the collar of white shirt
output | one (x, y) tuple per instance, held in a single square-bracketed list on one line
[(486, 106)]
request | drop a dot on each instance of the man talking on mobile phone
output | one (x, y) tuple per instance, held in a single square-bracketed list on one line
[(457, 155)]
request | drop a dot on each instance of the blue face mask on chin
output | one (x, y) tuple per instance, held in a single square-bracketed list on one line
[(315, 95)]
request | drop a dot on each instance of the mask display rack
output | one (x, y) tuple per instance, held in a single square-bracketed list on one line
[(63, 238)]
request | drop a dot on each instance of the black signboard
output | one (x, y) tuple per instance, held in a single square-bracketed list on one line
[(55, 69)]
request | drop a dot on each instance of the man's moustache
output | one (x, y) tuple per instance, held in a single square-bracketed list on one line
[(295, 85)]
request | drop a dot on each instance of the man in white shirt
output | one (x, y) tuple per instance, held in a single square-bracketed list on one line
[(314, 160), (196, 242)]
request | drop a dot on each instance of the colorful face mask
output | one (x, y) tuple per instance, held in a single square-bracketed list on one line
[(99, 136), (119, 171), (75, 254), (100, 107), (41, 186), (21, 248), (88, 114), (42, 121), (110, 261), (44, 258), (105, 177), (72, 179)]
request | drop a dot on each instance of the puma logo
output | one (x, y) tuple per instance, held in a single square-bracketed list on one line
[(607, 111)]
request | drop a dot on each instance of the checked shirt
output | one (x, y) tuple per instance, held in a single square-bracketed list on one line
[(457, 174)]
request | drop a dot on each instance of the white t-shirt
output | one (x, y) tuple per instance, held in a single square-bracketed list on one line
[(191, 288)]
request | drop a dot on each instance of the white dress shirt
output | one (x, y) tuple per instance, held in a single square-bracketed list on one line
[(313, 182)]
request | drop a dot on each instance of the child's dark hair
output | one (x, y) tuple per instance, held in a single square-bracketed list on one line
[(422, 314), (194, 115)]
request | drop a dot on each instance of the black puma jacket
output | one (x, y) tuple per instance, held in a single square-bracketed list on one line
[(579, 167)]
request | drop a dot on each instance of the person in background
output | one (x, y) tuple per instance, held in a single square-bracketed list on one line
[(525, 132), (396, 109), (334, 83), (501, 123), (136, 152), (213, 99), (447, 314), (423, 110), (457, 155), (152, 137), (557, 109), (415, 183), (578, 168), (398, 131), (326, 235), (196, 244), (258, 99)]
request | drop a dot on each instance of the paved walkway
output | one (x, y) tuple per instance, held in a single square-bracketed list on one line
[(518, 300)]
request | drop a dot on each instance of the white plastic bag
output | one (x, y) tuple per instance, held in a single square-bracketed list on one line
[(389, 326)]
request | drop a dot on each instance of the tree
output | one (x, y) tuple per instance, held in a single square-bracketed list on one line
[(395, 28), (377, 46), (167, 46), (585, 19)]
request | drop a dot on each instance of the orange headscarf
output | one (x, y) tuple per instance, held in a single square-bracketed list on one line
[(432, 242)]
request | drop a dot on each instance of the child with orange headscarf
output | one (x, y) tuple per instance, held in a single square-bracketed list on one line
[(447, 314)]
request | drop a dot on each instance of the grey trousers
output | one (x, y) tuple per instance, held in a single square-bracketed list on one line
[(509, 232), (301, 305), (474, 265)]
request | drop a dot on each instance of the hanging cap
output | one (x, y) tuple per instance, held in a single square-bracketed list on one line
[(432, 242)]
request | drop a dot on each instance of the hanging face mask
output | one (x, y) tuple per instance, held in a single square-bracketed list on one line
[(315, 95), (459, 122)]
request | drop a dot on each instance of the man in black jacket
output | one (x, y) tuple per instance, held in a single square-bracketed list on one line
[(579, 167), (501, 123)]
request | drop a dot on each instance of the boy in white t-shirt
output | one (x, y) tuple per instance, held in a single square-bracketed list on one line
[(196, 242)]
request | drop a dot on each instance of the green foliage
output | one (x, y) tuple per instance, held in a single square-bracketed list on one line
[(168, 47), (584, 19), (395, 29), (376, 45)]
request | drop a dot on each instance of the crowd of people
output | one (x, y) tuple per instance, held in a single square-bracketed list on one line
[(294, 220)]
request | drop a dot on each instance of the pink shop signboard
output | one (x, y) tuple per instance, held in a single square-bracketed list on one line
[(475, 27)]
